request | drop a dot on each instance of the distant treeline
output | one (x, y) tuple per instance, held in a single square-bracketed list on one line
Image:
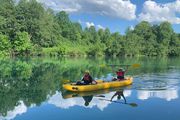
[(29, 28)]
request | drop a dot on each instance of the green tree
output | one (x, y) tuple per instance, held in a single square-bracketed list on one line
[(165, 32), (174, 45), (48, 33), (132, 45), (115, 45), (28, 15), (22, 44), (8, 24), (5, 45), (147, 39)]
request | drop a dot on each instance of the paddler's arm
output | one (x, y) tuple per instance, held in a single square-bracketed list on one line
[(126, 69), (82, 79), (92, 80), (113, 96)]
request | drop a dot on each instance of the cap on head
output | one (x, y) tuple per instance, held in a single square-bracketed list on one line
[(87, 71), (120, 69)]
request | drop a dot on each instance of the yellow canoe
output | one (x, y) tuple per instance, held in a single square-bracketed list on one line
[(100, 86)]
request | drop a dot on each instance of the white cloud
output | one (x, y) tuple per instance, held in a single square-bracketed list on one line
[(89, 24), (100, 27), (62, 5), (154, 12), (115, 8)]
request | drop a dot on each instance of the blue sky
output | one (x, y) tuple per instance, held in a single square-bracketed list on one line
[(118, 15)]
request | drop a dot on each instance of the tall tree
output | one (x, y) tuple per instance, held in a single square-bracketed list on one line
[(28, 15), (165, 32), (7, 18), (147, 38), (174, 45)]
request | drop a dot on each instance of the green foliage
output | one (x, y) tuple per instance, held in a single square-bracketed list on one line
[(28, 15), (54, 51), (132, 45), (95, 50), (8, 24), (115, 45), (5, 45), (22, 44), (35, 30), (174, 45)]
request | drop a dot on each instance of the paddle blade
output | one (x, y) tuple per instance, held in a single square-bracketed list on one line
[(65, 81), (136, 65), (102, 65), (133, 104)]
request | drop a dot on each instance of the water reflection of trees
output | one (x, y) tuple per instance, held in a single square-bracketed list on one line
[(33, 80)]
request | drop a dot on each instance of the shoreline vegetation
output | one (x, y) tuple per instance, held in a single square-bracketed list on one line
[(27, 28)]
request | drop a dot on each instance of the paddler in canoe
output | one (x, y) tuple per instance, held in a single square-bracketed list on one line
[(120, 74), (87, 79)]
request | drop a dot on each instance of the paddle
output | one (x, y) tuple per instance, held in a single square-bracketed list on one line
[(136, 65), (131, 104), (65, 81)]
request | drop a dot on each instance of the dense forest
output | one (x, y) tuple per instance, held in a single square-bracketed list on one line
[(29, 28)]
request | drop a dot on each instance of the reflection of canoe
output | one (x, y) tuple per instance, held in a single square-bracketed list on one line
[(99, 86), (69, 94)]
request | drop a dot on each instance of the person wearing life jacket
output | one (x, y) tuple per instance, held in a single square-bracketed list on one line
[(87, 79), (120, 74)]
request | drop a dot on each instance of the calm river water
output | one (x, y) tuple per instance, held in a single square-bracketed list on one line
[(31, 89)]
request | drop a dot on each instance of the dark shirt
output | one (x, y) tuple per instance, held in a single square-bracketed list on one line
[(87, 79)]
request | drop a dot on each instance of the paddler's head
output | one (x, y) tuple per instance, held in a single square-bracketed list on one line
[(87, 72), (120, 69)]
